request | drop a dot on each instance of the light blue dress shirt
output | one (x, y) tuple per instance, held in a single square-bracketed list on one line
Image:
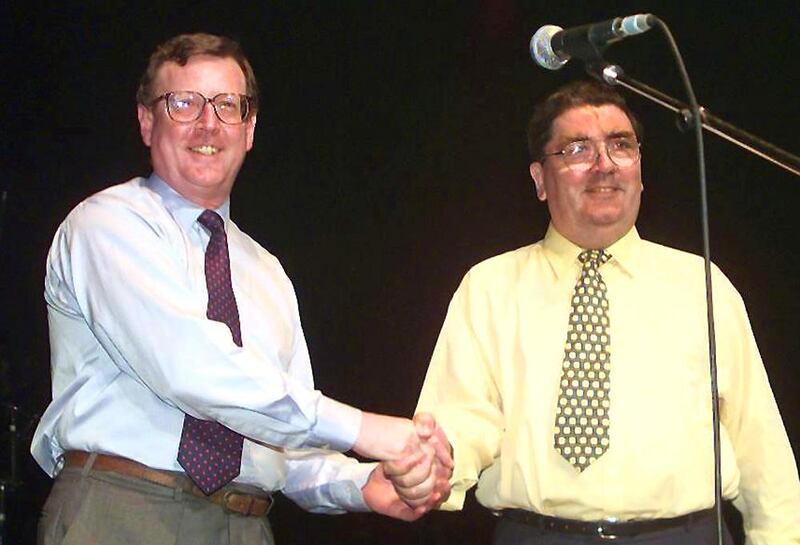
[(132, 351)]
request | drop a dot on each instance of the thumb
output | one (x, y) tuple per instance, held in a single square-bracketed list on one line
[(425, 425)]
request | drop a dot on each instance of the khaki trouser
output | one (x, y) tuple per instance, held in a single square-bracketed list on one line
[(88, 507)]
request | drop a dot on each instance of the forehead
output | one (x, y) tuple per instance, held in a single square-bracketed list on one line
[(590, 122), (204, 73)]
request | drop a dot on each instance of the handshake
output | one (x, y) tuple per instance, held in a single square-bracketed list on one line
[(414, 476)]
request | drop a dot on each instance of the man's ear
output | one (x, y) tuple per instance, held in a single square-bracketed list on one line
[(145, 115), (251, 130), (537, 174)]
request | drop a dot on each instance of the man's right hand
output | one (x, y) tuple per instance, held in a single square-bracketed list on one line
[(384, 437)]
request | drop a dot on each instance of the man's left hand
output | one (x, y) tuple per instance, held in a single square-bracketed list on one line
[(381, 497)]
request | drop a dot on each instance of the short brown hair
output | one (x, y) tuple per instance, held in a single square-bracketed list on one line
[(573, 95), (180, 48)]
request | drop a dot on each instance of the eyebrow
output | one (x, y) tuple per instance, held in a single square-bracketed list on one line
[(581, 137), (618, 134)]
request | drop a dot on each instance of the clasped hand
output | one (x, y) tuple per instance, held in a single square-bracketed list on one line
[(414, 476), (422, 478)]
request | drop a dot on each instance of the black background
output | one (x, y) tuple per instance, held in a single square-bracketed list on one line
[(390, 156)]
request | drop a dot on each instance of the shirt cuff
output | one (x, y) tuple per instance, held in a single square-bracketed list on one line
[(357, 475), (337, 425)]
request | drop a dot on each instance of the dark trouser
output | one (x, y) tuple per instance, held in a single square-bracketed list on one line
[(510, 532), (89, 507)]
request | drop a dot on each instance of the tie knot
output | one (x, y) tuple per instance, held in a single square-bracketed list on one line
[(593, 258), (211, 221)]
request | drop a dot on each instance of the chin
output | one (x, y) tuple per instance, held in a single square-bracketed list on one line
[(604, 219), (205, 178)]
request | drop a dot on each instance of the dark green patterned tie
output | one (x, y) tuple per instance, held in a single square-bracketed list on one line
[(581, 427)]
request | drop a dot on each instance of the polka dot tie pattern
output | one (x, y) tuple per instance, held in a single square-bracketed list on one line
[(210, 453), (582, 411)]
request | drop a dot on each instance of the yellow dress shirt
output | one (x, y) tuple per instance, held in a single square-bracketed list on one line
[(494, 379)]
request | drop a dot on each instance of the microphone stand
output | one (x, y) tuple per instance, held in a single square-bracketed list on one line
[(614, 75), (11, 482), (3, 199)]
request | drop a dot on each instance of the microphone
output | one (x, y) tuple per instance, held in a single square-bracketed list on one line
[(552, 46)]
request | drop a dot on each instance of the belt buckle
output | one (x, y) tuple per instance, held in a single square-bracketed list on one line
[(601, 530), (226, 503)]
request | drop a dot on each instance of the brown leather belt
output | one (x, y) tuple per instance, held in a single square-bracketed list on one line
[(603, 529), (232, 500)]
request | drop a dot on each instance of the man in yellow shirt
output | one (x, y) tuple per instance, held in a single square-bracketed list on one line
[(571, 375)]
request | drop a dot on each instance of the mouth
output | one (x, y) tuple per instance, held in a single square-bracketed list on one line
[(601, 190), (206, 150)]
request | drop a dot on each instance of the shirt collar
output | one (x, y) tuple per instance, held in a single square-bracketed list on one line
[(562, 254), (184, 211)]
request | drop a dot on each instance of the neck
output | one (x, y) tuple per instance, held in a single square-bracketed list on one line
[(209, 198), (595, 239)]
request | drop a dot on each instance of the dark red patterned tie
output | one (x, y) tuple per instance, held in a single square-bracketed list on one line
[(210, 453)]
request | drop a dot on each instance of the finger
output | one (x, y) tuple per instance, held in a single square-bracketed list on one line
[(421, 510), (414, 503), (418, 493), (443, 472), (432, 434), (402, 466), (415, 476), (438, 495), (442, 449), (433, 500), (443, 489)]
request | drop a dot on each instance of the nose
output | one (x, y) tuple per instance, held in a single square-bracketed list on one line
[(208, 119), (603, 162)]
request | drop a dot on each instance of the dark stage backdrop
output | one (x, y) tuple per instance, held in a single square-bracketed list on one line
[(389, 157)]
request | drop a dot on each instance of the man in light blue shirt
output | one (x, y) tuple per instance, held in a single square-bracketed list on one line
[(135, 354)]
